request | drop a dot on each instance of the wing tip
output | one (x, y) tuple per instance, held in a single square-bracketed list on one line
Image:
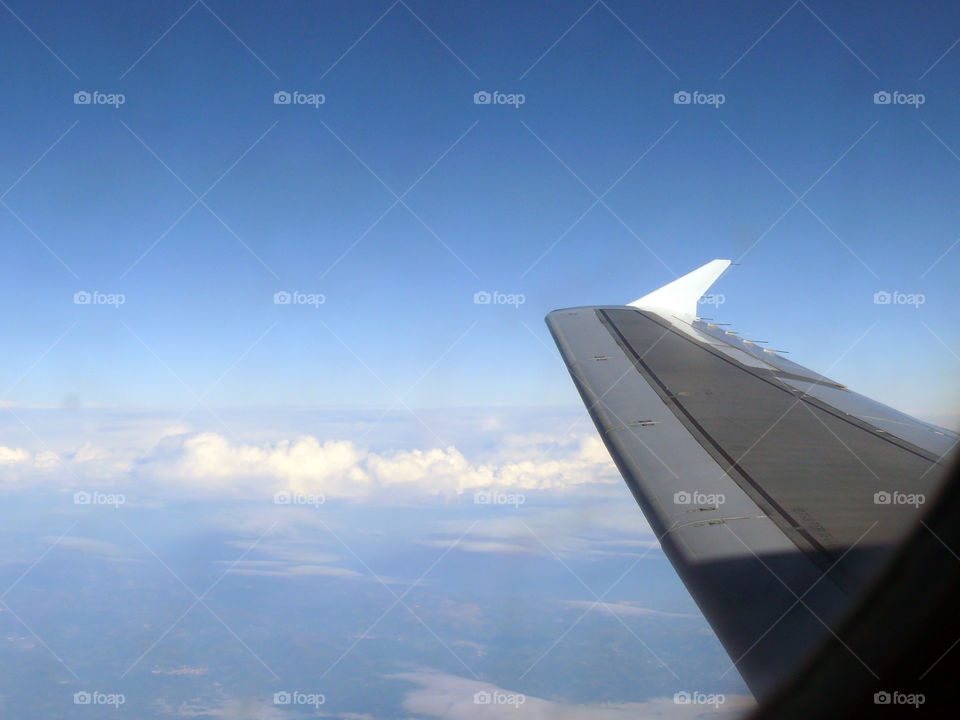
[(680, 296)]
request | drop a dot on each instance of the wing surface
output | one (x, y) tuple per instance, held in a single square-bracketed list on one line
[(776, 493)]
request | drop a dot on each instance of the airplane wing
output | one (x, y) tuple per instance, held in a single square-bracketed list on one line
[(776, 492)]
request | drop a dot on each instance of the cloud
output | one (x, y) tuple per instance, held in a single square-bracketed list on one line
[(88, 546), (624, 609), (486, 546), (235, 709), (293, 558), (211, 461), (13, 456), (455, 698), (608, 525), (276, 568), (208, 463), (341, 468), (248, 709), (18, 458)]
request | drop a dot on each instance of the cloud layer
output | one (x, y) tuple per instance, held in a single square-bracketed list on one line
[(455, 698), (211, 463)]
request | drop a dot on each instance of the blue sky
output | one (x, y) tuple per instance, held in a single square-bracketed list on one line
[(500, 198)]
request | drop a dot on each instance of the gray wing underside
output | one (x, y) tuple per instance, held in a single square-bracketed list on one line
[(766, 483)]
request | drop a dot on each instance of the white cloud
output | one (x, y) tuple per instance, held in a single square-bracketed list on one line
[(210, 460), (624, 609), (248, 709), (281, 570), (340, 468), (453, 698), (88, 546), (580, 524), (487, 546), (235, 709), (14, 456), (210, 463)]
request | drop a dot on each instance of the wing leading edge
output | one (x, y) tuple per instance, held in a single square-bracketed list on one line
[(776, 493)]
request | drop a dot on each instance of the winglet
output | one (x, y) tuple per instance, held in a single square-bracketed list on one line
[(681, 296)]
